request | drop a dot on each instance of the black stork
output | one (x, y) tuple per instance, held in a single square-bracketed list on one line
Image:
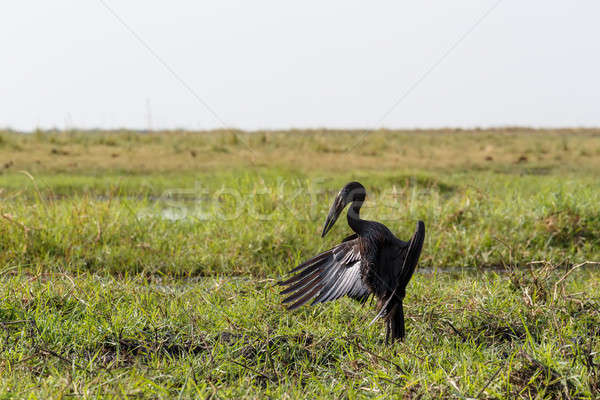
[(372, 261)]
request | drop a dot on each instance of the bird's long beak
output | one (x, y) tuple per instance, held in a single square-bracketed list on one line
[(335, 211)]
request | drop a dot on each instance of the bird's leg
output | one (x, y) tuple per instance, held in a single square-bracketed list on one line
[(396, 319), (400, 323)]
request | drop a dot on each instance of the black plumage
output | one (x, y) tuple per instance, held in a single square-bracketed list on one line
[(372, 261)]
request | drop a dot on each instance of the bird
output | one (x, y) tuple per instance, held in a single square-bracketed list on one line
[(370, 262)]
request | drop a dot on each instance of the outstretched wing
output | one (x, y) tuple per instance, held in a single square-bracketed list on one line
[(328, 276), (412, 255)]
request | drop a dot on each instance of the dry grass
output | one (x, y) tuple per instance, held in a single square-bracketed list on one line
[(501, 149)]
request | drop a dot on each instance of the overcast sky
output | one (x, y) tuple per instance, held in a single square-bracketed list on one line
[(275, 64)]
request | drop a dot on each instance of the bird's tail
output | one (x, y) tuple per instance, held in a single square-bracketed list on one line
[(394, 328)]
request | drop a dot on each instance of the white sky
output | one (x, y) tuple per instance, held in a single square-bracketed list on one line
[(275, 64)]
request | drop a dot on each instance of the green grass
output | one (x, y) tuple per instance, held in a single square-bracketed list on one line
[(142, 265), (262, 222), (483, 335)]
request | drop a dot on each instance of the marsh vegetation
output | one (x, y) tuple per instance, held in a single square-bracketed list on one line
[(142, 264)]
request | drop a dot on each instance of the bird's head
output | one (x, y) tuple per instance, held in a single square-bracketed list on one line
[(352, 192)]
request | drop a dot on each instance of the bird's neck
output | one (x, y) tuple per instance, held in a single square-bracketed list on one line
[(354, 221)]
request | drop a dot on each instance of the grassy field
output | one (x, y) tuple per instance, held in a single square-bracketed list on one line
[(142, 264)]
